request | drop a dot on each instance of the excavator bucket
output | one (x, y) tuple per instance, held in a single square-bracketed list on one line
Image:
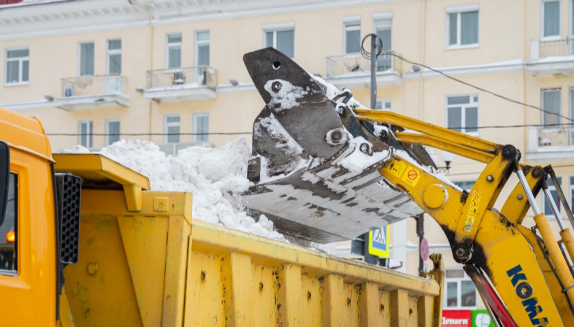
[(314, 166)]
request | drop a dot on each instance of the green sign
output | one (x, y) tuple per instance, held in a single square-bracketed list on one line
[(481, 318)]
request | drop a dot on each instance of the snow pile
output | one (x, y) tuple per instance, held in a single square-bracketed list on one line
[(216, 177)]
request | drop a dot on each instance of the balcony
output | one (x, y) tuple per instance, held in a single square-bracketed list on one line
[(546, 144), (90, 92), (181, 84), (171, 149), (552, 57), (354, 71)]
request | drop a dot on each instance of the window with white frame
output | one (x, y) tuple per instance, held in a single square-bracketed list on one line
[(201, 127), (17, 66), (460, 290), (383, 104), (112, 131), (383, 29), (85, 133), (173, 50), (462, 26), (86, 59), (546, 208), (550, 18), (202, 48), (462, 113), (465, 185), (114, 57), (171, 129), (551, 106), (281, 37), (352, 35)]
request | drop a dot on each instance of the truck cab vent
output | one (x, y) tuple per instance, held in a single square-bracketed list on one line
[(69, 189)]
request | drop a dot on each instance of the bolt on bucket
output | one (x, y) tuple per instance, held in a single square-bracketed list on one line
[(314, 166)]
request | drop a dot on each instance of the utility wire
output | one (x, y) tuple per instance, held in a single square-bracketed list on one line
[(143, 134), (392, 53)]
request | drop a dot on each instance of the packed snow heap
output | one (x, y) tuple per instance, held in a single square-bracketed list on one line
[(215, 177)]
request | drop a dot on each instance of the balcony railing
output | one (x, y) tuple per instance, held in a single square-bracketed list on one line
[(541, 49), (352, 64), (172, 149), (188, 76), (555, 136), (93, 85)]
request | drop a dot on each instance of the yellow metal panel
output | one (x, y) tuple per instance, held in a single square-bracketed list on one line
[(65, 313), (175, 269), (334, 302), (352, 308), (144, 240), (425, 311), (264, 299), (385, 300), (133, 197), (399, 308), (311, 302), (289, 300), (413, 312), (204, 293), (370, 314), (25, 133), (238, 290)]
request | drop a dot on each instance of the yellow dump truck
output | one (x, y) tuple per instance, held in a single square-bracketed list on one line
[(85, 242)]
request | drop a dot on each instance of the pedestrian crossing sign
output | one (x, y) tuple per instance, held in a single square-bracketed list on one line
[(379, 242)]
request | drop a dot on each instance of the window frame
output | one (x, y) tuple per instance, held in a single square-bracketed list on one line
[(460, 10), (80, 57), (463, 112), (90, 133), (459, 290), (167, 46), (553, 37), (473, 181), (195, 117), (542, 113), (197, 43), (383, 102), (111, 53), (353, 20), (20, 63), (107, 130), (16, 272), (545, 202), (274, 28), (166, 126)]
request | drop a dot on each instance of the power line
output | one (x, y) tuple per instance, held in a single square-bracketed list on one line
[(392, 53), (144, 134)]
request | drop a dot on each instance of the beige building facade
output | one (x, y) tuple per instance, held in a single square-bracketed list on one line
[(171, 71)]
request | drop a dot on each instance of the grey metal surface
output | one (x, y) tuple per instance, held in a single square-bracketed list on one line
[(527, 191)]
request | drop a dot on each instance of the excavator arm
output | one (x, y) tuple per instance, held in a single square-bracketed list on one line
[(324, 170)]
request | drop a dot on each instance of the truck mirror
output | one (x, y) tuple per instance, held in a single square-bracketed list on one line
[(4, 178)]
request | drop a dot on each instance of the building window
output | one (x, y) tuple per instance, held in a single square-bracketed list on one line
[(546, 208), (383, 104), (174, 50), (202, 48), (383, 27), (87, 59), (550, 19), (114, 57), (9, 231), (465, 185), (281, 38), (462, 113), (112, 131), (352, 37), (551, 106), (85, 131), (200, 127), (462, 26), (17, 66), (460, 290), (171, 129)]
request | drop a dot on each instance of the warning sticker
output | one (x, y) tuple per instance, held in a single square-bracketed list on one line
[(412, 176), (474, 202), (396, 168)]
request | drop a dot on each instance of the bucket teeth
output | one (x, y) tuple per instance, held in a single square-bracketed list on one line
[(314, 166)]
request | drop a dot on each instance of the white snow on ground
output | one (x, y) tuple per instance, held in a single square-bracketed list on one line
[(216, 177)]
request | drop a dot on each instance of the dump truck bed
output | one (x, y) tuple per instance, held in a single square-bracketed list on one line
[(157, 266)]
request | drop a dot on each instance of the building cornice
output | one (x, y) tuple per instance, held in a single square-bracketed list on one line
[(72, 17)]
